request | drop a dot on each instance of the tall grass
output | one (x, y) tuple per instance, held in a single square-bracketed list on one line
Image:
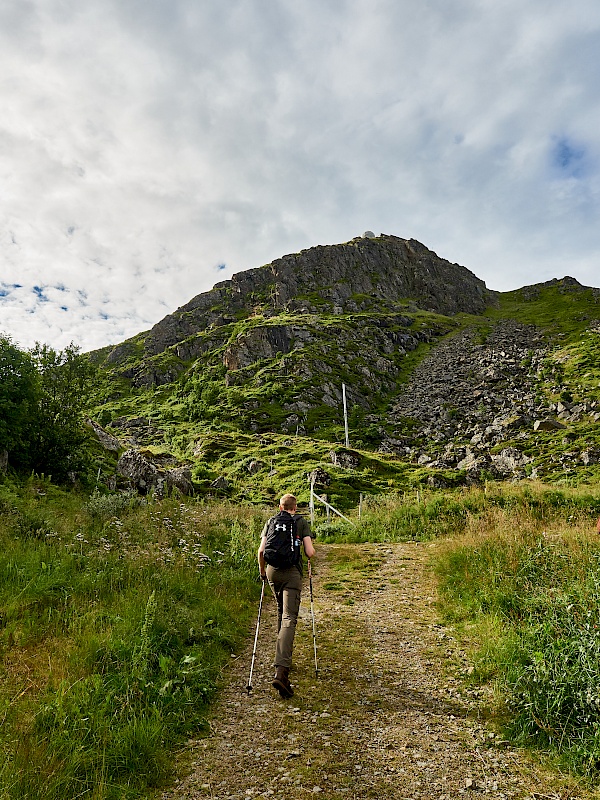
[(428, 514), (116, 617), (529, 583)]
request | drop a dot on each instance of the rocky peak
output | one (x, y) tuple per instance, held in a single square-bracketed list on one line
[(355, 276)]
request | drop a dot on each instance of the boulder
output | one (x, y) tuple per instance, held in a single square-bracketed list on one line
[(146, 477), (476, 466), (346, 459), (107, 440), (548, 424), (318, 477), (179, 478), (591, 456), (509, 461), (255, 466), (436, 482), (142, 474)]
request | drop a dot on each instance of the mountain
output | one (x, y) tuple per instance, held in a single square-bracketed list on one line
[(446, 381)]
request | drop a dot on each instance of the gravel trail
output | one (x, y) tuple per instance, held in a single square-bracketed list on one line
[(388, 716)]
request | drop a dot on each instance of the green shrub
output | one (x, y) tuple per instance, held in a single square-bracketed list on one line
[(106, 506)]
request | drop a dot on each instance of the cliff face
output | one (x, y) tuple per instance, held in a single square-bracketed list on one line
[(386, 269), (346, 278)]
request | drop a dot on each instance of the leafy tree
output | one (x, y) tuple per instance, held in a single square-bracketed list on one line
[(65, 378), (19, 383)]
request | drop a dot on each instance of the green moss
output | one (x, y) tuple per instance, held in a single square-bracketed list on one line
[(559, 313)]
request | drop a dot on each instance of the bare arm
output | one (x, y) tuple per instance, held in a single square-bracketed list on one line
[(308, 547), (261, 557)]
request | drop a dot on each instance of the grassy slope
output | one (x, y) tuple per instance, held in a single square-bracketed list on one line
[(116, 618), (521, 589), (200, 409), (115, 625), (205, 422)]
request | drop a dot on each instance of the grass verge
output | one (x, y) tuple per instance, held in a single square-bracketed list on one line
[(116, 617), (525, 591)]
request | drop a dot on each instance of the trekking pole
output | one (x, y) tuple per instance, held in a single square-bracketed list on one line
[(312, 613), (262, 594)]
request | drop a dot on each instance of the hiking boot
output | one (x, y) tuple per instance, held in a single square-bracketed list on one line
[(282, 683)]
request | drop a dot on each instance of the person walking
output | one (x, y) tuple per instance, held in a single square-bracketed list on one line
[(280, 562)]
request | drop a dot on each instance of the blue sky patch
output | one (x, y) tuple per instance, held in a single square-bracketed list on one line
[(7, 288), (39, 291), (569, 157)]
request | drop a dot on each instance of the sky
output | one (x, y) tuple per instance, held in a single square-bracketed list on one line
[(151, 148)]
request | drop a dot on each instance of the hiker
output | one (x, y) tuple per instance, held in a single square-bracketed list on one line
[(280, 545)]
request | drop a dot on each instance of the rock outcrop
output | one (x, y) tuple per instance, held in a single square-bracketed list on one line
[(147, 478), (306, 360), (350, 277), (107, 440), (270, 349)]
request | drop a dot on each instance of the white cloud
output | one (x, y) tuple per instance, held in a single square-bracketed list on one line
[(142, 145)]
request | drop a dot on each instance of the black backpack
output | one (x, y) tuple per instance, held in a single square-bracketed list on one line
[(282, 549)]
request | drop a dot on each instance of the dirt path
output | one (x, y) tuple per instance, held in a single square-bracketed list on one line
[(387, 717)]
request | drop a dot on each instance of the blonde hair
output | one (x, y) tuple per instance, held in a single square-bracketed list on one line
[(288, 502)]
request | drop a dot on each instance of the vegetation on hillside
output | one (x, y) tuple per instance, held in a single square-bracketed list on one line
[(219, 421), (43, 396), (118, 612), (561, 309), (117, 615)]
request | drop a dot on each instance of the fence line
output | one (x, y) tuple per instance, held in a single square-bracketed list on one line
[(314, 495)]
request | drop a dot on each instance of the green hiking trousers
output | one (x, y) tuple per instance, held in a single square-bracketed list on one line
[(287, 586)]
